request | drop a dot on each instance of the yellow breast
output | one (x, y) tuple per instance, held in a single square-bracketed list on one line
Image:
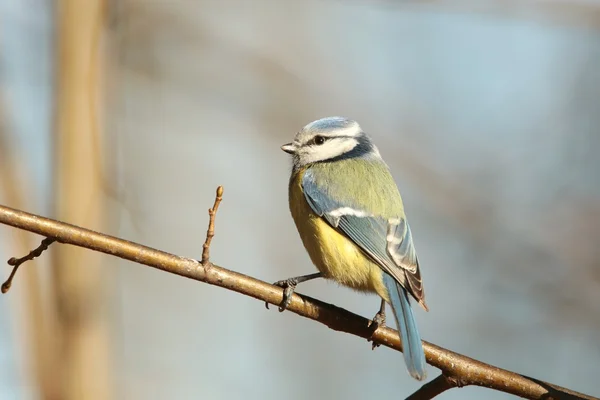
[(336, 256)]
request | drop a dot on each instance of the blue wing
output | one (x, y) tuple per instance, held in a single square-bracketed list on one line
[(387, 241)]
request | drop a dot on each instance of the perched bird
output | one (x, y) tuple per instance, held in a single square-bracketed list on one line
[(350, 217)]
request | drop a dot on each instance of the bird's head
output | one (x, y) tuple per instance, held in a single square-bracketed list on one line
[(328, 140)]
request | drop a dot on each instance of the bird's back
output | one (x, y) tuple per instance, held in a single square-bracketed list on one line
[(362, 184)]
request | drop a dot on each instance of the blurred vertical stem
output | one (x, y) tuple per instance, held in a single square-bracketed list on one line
[(80, 287), (35, 334)]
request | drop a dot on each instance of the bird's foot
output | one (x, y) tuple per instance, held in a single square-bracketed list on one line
[(377, 322), (289, 286)]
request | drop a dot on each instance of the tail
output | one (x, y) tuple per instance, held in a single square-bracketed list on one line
[(414, 357)]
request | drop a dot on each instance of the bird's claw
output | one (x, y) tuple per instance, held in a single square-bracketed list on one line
[(377, 322), (289, 286)]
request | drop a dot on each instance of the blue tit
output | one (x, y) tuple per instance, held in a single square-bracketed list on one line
[(350, 217)]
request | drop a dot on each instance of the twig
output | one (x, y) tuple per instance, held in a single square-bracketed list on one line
[(210, 233), (16, 262), (465, 369), (433, 388)]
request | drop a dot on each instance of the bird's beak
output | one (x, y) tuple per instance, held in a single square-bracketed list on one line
[(289, 148)]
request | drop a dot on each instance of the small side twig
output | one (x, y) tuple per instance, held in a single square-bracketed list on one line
[(210, 233), (435, 387), (16, 262)]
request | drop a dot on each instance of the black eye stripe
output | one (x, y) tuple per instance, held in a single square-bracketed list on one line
[(314, 141)]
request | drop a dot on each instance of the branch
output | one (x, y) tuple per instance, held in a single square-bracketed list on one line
[(210, 233), (433, 388), (16, 262), (454, 366)]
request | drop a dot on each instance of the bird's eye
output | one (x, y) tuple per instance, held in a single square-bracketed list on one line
[(319, 140)]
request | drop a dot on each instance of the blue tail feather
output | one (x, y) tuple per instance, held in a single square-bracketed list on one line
[(405, 320)]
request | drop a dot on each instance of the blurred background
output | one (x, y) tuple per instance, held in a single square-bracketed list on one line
[(124, 116)]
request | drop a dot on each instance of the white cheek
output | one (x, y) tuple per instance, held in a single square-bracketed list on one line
[(307, 157)]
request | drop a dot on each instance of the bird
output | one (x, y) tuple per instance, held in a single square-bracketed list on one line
[(350, 217)]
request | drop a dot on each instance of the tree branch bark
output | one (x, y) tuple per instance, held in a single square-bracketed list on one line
[(454, 366), (432, 388)]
